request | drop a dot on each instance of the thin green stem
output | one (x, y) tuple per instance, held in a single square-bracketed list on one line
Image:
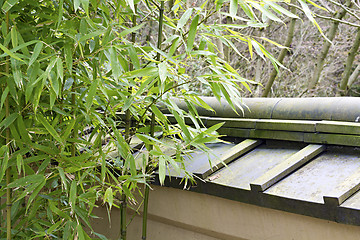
[(152, 126), (123, 224), (145, 212), (123, 216), (8, 176)]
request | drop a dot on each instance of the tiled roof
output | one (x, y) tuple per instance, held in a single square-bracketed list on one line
[(295, 155)]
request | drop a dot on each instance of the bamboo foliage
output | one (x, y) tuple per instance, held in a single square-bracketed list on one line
[(70, 69)]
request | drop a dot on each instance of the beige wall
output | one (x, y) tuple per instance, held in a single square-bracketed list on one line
[(178, 214)]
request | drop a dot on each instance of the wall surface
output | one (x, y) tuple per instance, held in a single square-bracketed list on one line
[(178, 214)]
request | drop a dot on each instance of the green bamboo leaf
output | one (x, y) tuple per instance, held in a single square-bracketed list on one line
[(19, 163), (57, 211), (17, 73), (85, 5), (68, 57), (258, 49), (60, 69), (163, 71), (134, 58), (76, 4), (192, 33), (114, 63), (8, 5), (63, 179), (162, 169), (22, 182), (61, 12), (148, 71), (39, 186), (72, 196), (14, 37), (4, 152), (130, 30), (8, 52), (280, 9), (9, 120), (92, 34), (131, 4), (184, 18), (109, 197), (247, 9), (233, 7), (91, 94), (266, 12), (54, 227), (3, 97), (69, 128), (22, 46), (160, 115), (49, 128), (182, 125), (37, 49)]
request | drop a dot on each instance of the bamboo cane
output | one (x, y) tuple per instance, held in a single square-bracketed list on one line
[(8, 176), (152, 126)]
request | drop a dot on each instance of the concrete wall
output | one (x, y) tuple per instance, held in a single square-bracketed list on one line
[(178, 214)]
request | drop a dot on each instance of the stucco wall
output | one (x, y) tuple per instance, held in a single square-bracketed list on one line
[(178, 214)]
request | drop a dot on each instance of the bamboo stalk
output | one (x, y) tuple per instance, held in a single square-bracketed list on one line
[(8, 176), (282, 55), (349, 63), (123, 217), (128, 140), (325, 49), (152, 126)]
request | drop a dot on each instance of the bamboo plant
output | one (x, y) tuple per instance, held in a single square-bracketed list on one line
[(72, 69)]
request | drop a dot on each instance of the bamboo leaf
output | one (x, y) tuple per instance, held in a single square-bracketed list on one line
[(76, 4), (108, 197), (72, 196), (85, 5), (162, 71), (22, 182), (134, 58), (272, 42), (60, 69), (233, 7), (91, 94), (265, 12), (4, 163), (3, 97), (148, 71), (130, 30), (37, 49), (9, 120), (280, 9), (114, 63), (8, 52), (192, 33), (184, 18), (50, 128), (68, 57), (19, 163), (162, 169), (8, 5), (131, 4), (92, 34)]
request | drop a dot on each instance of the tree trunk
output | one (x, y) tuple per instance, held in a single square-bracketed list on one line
[(354, 76), (325, 49), (282, 55), (349, 63)]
